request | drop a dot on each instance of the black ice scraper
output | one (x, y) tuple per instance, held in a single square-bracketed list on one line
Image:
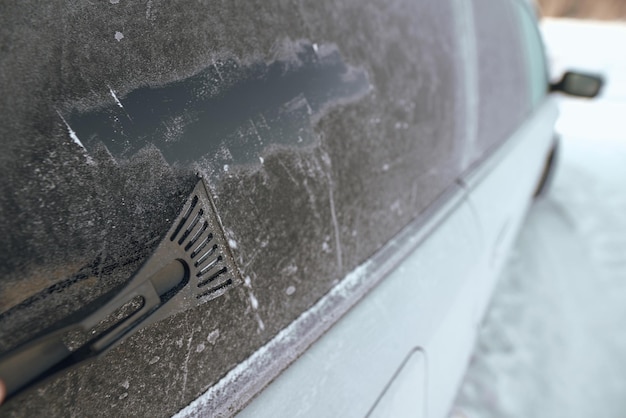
[(192, 265)]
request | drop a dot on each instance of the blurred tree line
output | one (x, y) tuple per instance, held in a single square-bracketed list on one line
[(584, 9)]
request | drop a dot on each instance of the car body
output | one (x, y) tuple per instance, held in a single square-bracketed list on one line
[(365, 166)]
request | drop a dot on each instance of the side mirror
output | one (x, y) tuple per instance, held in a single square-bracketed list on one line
[(579, 84)]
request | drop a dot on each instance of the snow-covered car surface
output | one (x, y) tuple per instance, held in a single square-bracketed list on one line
[(362, 162), (553, 342)]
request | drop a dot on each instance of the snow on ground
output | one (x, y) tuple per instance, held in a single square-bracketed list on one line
[(554, 340)]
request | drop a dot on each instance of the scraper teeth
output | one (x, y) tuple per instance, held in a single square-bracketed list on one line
[(214, 290), (184, 218), (198, 233)]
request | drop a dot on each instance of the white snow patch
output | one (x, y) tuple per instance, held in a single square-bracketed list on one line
[(261, 160), (125, 384), (335, 223), (290, 290), (226, 168), (149, 9), (154, 360), (117, 101), (119, 36), (260, 322), (200, 348), (71, 132), (186, 364), (123, 396), (114, 1), (232, 243), (385, 167), (290, 270), (315, 48), (213, 336), (253, 301)]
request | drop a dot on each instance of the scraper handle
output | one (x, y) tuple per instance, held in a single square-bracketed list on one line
[(31, 362), (44, 356)]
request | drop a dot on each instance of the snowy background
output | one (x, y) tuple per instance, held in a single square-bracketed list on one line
[(554, 340)]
